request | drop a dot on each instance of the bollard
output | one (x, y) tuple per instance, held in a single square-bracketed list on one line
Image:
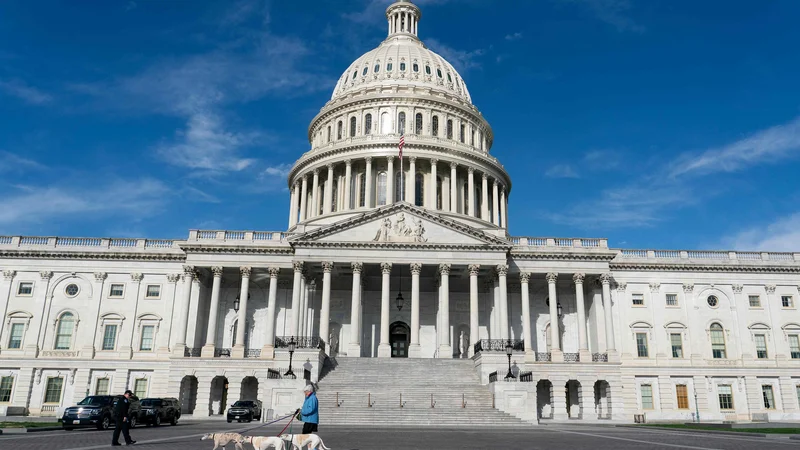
[(401, 399), (492, 400), (463, 401), (337, 399), (431, 400), (369, 399)]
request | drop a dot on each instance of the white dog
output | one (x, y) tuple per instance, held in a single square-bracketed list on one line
[(223, 439), (265, 442), (301, 440)]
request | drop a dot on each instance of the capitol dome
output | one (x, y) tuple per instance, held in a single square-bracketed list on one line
[(400, 89)]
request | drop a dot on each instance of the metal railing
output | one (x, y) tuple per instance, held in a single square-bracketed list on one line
[(543, 356), (313, 342), (572, 357), (526, 377), (222, 353), (493, 377), (192, 352), (599, 357), (498, 345), (273, 374), (252, 353)]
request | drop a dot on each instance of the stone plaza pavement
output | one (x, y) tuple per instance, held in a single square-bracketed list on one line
[(186, 436)]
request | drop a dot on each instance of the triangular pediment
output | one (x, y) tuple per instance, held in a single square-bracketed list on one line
[(401, 223)]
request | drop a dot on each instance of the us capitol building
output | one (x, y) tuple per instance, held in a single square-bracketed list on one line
[(379, 262)]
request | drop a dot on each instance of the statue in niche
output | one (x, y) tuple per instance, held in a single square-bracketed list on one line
[(463, 344), (400, 231)]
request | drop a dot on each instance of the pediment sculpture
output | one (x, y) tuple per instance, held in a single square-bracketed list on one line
[(400, 231)]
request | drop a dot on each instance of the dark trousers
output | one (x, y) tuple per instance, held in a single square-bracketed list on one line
[(309, 428), (121, 426)]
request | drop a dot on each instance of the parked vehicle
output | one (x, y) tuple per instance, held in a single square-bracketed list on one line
[(156, 411), (247, 410), (98, 411)]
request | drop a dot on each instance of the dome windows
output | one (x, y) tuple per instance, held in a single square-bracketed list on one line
[(418, 123), (461, 133), (355, 74), (449, 78), (389, 66), (419, 192), (386, 123), (449, 128), (364, 73), (401, 123), (439, 73), (377, 67), (435, 126), (402, 67), (352, 127), (415, 67), (427, 69), (339, 130), (368, 124)]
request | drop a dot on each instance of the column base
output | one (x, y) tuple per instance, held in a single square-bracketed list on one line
[(268, 352), (415, 351), (530, 356), (556, 356), (163, 352), (237, 351), (613, 356), (445, 352), (208, 351), (384, 351), (179, 351), (585, 356), (354, 350)]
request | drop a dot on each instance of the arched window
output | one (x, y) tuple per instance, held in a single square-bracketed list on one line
[(419, 191), (329, 133), (377, 66), (352, 127), (465, 198), (362, 189), (335, 196), (439, 73), (449, 129), (353, 181), (386, 123), (368, 124), (717, 341), (364, 73), (418, 123), (449, 79), (398, 192), (339, 130), (64, 330), (435, 126), (381, 188), (461, 133), (402, 67), (428, 70), (472, 137), (389, 66), (401, 123), (415, 67), (355, 74), (439, 193)]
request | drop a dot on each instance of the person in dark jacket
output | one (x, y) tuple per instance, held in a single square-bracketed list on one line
[(121, 420)]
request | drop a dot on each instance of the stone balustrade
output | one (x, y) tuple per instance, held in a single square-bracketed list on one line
[(237, 236), (705, 255), (72, 243), (522, 241)]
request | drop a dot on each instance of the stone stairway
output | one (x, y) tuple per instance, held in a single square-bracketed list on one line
[(452, 386)]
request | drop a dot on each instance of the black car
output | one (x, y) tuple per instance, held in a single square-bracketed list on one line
[(247, 410), (156, 411), (98, 411)]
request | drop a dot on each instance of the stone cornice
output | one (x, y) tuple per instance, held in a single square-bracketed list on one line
[(689, 267), (587, 255), (232, 249), (126, 256), (398, 246)]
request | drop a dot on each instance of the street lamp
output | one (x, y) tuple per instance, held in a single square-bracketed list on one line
[(399, 301), (560, 309), (292, 345), (509, 350), (696, 407), (236, 302)]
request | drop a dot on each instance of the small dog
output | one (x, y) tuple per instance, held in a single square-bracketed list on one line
[(265, 442), (223, 439), (301, 440)]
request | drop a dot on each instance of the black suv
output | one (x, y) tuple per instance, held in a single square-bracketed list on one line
[(158, 410), (98, 411), (247, 410)]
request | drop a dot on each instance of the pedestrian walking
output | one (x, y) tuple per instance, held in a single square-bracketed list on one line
[(122, 424), (309, 413)]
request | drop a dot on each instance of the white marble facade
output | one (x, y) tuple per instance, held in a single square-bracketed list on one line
[(668, 334)]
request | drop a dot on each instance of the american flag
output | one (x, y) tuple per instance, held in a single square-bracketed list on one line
[(402, 143)]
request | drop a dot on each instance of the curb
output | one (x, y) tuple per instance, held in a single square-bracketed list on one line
[(694, 430), (8, 431)]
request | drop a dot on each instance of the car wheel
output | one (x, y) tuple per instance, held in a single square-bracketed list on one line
[(68, 429), (104, 424), (229, 421), (174, 421), (157, 422)]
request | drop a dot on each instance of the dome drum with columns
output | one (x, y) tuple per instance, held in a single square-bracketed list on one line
[(399, 89)]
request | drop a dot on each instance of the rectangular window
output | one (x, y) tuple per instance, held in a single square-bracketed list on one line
[(761, 346), (647, 396), (153, 291), (638, 299), (672, 299), (641, 344), (769, 396), (15, 337), (110, 337), (140, 387), (25, 288), (683, 396), (52, 393), (797, 388), (794, 346), (725, 396), (6, 385), (677, 345), (755, 301), (116, 290), (718, 344), (787, 301), (146, 343), (101, 386)]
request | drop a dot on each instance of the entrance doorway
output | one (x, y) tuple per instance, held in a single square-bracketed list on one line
[(399, 336)]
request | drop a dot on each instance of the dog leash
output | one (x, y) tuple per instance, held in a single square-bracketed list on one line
[(287, 425)]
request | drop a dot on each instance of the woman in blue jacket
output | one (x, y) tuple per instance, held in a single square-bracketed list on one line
[(309, 414)]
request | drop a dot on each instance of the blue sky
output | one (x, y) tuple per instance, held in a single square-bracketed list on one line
[(657, 124)]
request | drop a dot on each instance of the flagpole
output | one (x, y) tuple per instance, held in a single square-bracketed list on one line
[(402, 175)]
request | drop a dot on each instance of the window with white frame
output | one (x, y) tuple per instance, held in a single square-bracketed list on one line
[(647, 396), (755, 301), (641, 345), (148, 335), (116, 290), (725, 394), (15, 335), (761, 346), (768, 396), (153, 291), (110, 337), (787, 301), (6, 388), (140, 387), (52, 392), (672, 299), (101, 386), (794, 346), (64, 330), (25, 288), (676, 341), (637, 299), (717, 334)]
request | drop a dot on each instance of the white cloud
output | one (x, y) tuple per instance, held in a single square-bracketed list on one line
[(770, 145), (21, 90), (561, 171), (462, 60), (613, 12), (280, 171), (602, 159), (782, 235), (514, 36), (12, 162)]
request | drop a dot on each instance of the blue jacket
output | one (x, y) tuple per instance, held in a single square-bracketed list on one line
[(310, 412)]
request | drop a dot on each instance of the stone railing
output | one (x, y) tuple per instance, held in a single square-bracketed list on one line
[(60, 354), (524, 241), (599, 357), (498, 345), (222, 353), (314, 342), (70, 243), (237, 236), (252, 353), (192, 352), (706, 255), (543, 357)]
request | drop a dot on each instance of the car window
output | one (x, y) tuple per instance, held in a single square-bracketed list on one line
[(94, 400), (243, 404), (151, 402)]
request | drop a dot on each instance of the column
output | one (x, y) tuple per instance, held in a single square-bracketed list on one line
[(497, 330), (325, 308), (390, 180), (384, 349), (301, 310), (530, 352), (99, 281), (183, 316), (348, 173), (303, 198), (414, 349), (474, 332), (297, 284), (411, 186), (268, 351), (605, 279), (453, 188), (555, 335), (241, 329), (495, 207), (485, 197), (434, 190), (293, 206), (502, 272), (328, 207), (470, 200), (368, 184), (315, 195), (445, 343), (505, 211), (503, 208), (354, 350), (213, 312), (583, 344)]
